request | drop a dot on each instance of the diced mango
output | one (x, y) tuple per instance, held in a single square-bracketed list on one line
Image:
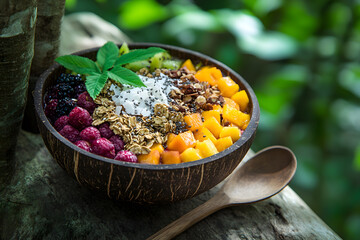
[(211, 113), (223, 143), (242, 99), (190, 154), (206, 148), (188, 65), (236, 117), (170, 137), (231, 103), (170, 157), (158, 147), (182, 141), (233, 132), (203, 133), (227, 86), (193, 121), (210, 75), (213, 125), (218, 108), (151, 158)]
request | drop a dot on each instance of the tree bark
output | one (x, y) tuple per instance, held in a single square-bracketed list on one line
[(17, 27), (47, 41)]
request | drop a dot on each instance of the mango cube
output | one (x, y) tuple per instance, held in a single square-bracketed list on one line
[(190, 154), (182, 141), (236, 117), (158, 147), (206, 148), (210, 75), (211, 113), (203, 133), (170, 157), (233, 132), (213, 125), (227, 87), (223, 143), (231, 103), (151, 158), (188, 65), (193, 121), (242, 99)]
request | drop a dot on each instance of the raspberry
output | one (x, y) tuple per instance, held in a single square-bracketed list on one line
[(85, 101), (118, 143), (90, 134), (70, 133), (61, 122), (64, 106), (50, 109), (105, 130), (84, 145), (80, 118), (103, 147), (126, 156), (65, 90)]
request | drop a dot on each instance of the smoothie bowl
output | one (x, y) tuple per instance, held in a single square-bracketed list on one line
[(146, 123)]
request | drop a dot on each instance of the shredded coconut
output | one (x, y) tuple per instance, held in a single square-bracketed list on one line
[(141, 101)]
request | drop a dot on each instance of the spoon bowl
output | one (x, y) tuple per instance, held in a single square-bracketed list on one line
[(259, 178), (262, 176)]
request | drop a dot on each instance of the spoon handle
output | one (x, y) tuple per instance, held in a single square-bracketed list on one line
[(217, 202)]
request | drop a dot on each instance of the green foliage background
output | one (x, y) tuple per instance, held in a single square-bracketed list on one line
[(302, 59)]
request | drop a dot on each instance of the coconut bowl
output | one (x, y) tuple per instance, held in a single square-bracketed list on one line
[(142, 183)]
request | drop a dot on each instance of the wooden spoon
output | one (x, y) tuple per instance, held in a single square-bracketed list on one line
[(260, 177)]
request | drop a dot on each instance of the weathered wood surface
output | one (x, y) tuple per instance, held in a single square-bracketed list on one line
[(43, 202)]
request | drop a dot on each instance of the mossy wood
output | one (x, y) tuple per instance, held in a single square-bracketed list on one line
[(141, 182), (17, 27), (46, 48)]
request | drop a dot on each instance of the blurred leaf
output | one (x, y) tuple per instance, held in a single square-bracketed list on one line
[(70, 4), (297, 21), (357, 158), (347, 114), (350, 78), (251, 38), (195, 20), (178, 7), (240, 23), (269, 46), (338, 17), (136, 14), (262, 7)]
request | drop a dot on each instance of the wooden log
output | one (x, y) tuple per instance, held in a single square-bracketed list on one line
[(43, 201), (47, 40), (17, 25)]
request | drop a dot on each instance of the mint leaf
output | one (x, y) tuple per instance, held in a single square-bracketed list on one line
[(95, 83), (107, 55), (138, 55), (125, 76), (78, 64)]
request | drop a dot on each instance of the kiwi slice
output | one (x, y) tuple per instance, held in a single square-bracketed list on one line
[(171, 64), (124, 49), (136, 66)]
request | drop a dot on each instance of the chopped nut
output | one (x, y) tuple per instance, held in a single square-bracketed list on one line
[(200, 100)]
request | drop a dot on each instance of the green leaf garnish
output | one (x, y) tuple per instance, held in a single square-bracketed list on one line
[(107, 55), (78, 64), (125, 76), (95, 83), (108, 65), (138, 55)]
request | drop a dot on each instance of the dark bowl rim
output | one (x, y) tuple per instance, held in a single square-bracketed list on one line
[(246, 136)]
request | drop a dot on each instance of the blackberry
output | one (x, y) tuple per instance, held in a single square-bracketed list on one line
[(51, 94), (72, 80), (65, 90), (65, 106), (79, 89)]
